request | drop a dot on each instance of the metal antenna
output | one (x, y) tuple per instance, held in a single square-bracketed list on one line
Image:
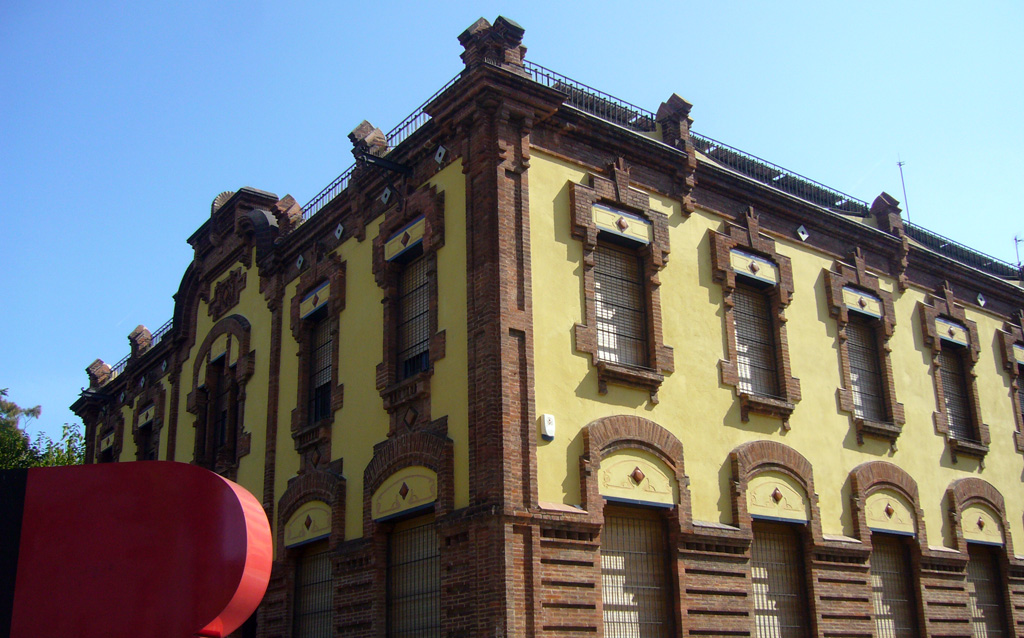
[(1017, 241), (906, 206)]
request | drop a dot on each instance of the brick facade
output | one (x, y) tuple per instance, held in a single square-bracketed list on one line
[(512, 564)]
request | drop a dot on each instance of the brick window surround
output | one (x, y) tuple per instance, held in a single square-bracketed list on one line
[(325, 277), (147, 433), (1011, 343), (614, 195), (223, 459), (750, 241), (407, 399), (879, 317), (941, 305)]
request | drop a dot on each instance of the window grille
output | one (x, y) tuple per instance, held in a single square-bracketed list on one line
[(221, 406), (413, 318), (865, 372), (619, 305), (891, 588), (755, 343), (984, 588), (780, 604), (320, 370), (147, 442), (954, 390), (634, 579), (414, 580), (313, 593)]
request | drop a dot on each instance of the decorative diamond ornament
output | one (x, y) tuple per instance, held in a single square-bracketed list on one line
[(308, 522), (952, 331), (121, 397), (777, 495), (163, 366), (404, 491), (338, 230), (981, 523), (981, 300), (622, 223), (298, 262), (637, 475), (439, 154), (802, 233), (889, 511), (862, 302), (406, 239), (754, 267), (386, 195)]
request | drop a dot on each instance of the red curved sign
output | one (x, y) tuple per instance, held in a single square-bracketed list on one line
[(135, 549)]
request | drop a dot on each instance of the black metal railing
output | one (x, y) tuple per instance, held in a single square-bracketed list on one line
[(161, 332), (598, 103), (778, 177), (959, 252), (118, 367), (395, 136)]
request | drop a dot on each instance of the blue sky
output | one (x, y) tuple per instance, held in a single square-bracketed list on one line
[(120, 122)]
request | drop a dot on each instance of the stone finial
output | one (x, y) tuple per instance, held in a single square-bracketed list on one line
[(219, 201), (886, 211), (674, 117), (500, 44), (98, 372), (366, 138), (140, 340)]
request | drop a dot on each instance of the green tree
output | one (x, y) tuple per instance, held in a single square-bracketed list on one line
[(17, 450)]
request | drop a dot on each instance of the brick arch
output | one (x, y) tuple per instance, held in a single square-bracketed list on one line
[(327, 485), (429, 449), (237, 326), (965, 492), (620, 432), (754, 457), (867, 478)]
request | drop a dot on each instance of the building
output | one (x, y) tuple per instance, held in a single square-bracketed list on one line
[(544, 363)]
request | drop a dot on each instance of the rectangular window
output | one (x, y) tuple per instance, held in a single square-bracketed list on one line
[(147, 442), (413, 318), (985, 590), (619, 305), (954, 390), (313, 593), (777, 571), (892, 588), (865, 371), (320, 369), (755, 343), (634, 581), (221, 404), (414, 580)]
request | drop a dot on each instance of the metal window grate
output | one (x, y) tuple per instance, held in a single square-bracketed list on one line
[(413, 318), (414, 580), (755, 343), (148, 442), (313, 593), (984, 588), (1020, 391), (865, 372), (776, 565), (619, 306), (954, 391), (221, 406), (634, 579), (895, 608), (320, 370)]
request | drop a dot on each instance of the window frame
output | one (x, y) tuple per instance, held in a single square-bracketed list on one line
[(1011, 340), (871, 297), (626, 210), (909, 576), (315, 549), (664, 616), (995, 560), (631, 300), (749, 242), (319, 296), (941, 308), (410, 222), (795, 531), (407, 525)]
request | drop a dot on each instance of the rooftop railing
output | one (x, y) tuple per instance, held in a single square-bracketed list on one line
[(395, 136), (588, 99), (965, 255), (161, 332)]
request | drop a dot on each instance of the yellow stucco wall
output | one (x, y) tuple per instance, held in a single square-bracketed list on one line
[(704, 414)]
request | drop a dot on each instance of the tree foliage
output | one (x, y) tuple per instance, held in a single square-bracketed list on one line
[(17, 450)]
